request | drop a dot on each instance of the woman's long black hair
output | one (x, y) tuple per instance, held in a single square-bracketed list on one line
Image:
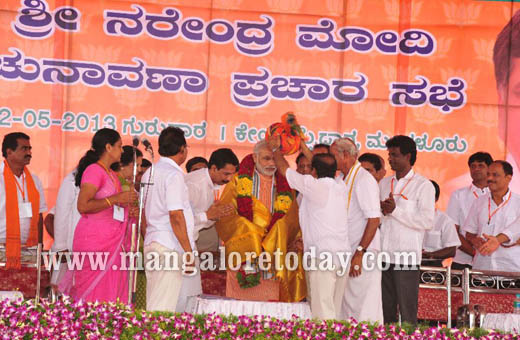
[(99, 141)]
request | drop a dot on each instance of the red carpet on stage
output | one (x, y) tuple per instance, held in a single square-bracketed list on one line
[(213, 282), (433, 304), (24, 280)]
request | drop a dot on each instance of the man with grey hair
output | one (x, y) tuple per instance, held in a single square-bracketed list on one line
[(266, 221), (362, 298), (264, 160)]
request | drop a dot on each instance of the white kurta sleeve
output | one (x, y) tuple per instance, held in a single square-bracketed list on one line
[(471, 224), (306, 185), (513, 232), (65, 206), (367, 194), (449, 235), (197, 205), (454, 209)]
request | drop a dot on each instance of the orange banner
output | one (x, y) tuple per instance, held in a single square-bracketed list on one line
[(225, 70)]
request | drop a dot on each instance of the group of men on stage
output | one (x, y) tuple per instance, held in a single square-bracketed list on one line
[(334, 201)]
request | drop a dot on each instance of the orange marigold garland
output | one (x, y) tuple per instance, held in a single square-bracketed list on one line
[(283, 199), (282, 204)]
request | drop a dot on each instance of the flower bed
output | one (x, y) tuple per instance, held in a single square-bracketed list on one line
[(79, 320)]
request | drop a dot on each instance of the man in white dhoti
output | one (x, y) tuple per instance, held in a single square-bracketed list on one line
[(323, 221), (204, 187), (170, 223), (362, 298)]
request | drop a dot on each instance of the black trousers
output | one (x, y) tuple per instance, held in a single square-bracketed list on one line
[(400, 290), (459, 266)]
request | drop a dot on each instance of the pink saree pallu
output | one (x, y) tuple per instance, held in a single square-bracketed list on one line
[(100, 267)]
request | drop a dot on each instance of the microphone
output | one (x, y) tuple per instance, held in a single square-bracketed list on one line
[(146, 144), (135, 141)]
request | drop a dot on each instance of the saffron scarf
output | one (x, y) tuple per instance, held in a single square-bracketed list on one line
[(13, 246)]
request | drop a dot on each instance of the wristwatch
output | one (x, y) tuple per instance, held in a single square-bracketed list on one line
[(361, 249)]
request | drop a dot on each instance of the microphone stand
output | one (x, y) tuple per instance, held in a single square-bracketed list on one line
[(142, 199), (132, 274)]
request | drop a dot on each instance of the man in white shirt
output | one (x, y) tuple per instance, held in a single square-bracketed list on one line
[(492, 224), (461, 201), (323, 222), (442, 240), (66, 218), (408, 205), (362, 298), (170, 224), (204, 188), (16, 149)]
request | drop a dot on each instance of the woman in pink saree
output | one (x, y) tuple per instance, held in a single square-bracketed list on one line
[(104, 228)]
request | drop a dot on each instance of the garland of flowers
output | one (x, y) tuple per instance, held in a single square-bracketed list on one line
[(282, 204), (248, 280), (283, 199)]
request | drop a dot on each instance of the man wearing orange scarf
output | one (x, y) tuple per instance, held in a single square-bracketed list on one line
[(21, 200)]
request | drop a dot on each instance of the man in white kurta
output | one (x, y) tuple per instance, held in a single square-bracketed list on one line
[(323, 222), (495, 216), (66, 217), (408, 206), (362, 298), (442, 240), (204, 187), (442, 236), (170, 223), (461, 201)]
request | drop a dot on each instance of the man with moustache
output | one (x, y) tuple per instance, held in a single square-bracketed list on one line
[(493, 223), (266, 219), (22, 203), (204, 187)]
